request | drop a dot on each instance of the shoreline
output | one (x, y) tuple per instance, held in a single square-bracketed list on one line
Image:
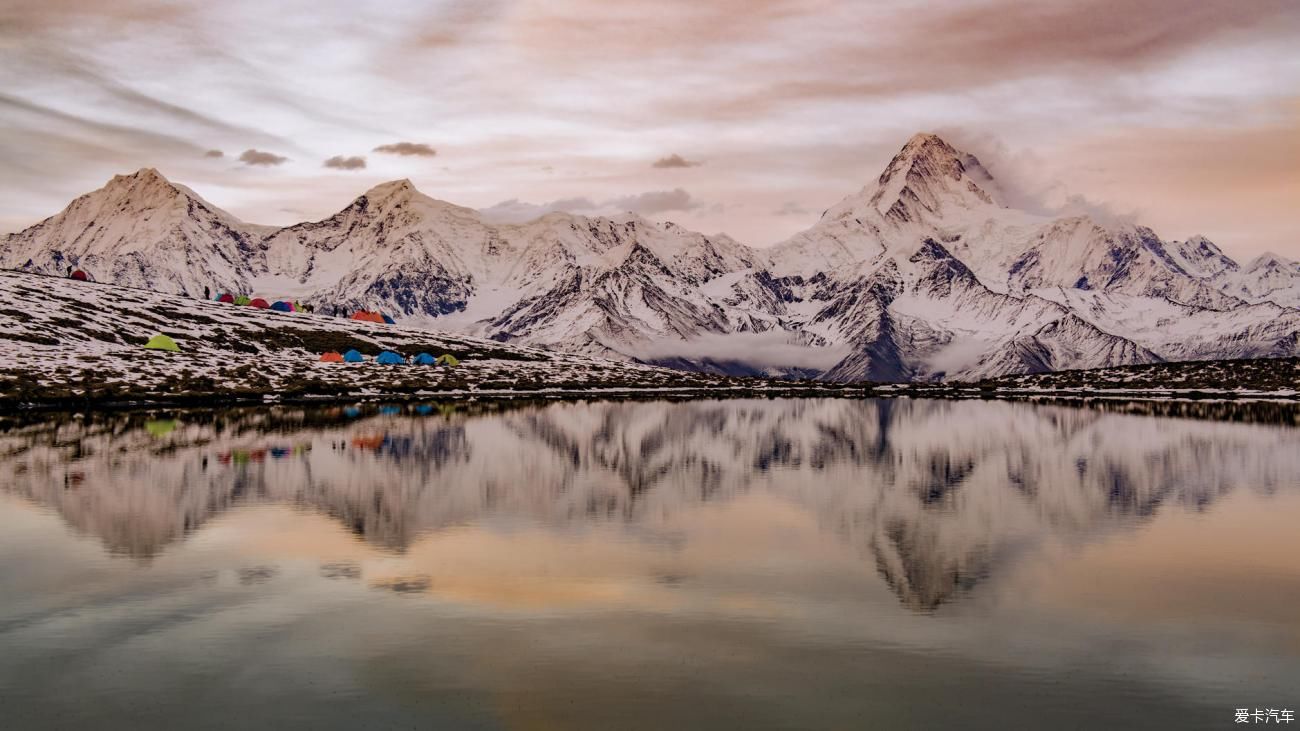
[(144, 401)]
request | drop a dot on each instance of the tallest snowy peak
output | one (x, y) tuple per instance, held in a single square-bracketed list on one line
[(928, 176)]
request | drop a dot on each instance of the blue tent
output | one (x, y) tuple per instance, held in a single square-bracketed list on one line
[(282, 306), (389, 320), (388, 357), (424, 359), (352, 356)]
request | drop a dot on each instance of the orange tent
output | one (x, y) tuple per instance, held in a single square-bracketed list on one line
[(365, 316), (331, 357)]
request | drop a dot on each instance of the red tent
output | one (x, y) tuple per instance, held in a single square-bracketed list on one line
[(228, 298), (260, 304), (331, 357), (79, 275)]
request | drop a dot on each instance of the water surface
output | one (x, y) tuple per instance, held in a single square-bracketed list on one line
[(611, 565)]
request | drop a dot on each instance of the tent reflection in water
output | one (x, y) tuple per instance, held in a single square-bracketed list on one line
[(160, 427)]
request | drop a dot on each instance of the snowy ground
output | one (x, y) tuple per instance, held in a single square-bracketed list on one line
[(66, 343), (63, 341)]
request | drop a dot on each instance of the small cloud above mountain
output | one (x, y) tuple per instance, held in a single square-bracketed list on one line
[(418, 149), (258, 157), (676, 161), (791, 208), (657, 201), (339, 162), (517, 211), (214, 153), (648, 203)]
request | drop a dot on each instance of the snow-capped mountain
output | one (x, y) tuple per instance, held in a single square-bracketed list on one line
[(142, 230), (1267, 278), (924, 273)]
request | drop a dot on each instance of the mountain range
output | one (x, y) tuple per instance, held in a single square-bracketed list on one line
[(928, 272)]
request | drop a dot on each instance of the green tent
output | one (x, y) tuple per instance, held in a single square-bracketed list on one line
[(242, 299), (162, 342), (448, 359)]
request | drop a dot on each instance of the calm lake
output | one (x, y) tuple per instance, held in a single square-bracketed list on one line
[(797, 564)]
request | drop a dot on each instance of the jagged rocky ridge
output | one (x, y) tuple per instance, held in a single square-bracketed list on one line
[(925, 273)]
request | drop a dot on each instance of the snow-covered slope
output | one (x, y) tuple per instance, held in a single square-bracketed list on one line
[(924, 273), (65, 342)]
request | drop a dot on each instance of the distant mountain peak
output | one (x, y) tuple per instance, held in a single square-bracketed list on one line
[(1269, 259)]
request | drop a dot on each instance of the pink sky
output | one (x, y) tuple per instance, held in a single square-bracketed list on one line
[(744, 116)]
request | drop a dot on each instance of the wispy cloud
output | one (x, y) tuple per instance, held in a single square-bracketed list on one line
[(773, 349)]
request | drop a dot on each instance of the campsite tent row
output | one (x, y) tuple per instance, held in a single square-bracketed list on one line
[(242, 299), (389, 357), (288, 306)]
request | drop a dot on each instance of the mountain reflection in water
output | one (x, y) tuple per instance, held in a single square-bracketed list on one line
[(935, 496)]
